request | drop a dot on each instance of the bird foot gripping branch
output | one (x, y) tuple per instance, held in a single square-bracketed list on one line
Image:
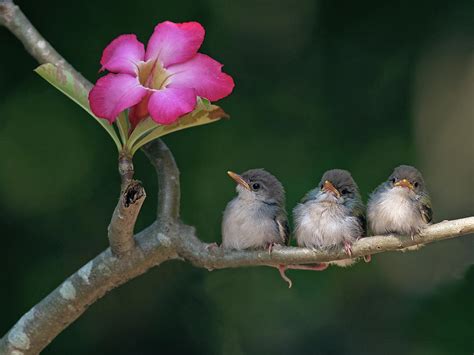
[(330, 215)]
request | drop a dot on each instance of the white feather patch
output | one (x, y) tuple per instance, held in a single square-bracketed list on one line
[(394, 211), (324, 224), (244, 225)]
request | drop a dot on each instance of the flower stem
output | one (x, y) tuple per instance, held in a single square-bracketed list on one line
[(123, 126), (125, 167)]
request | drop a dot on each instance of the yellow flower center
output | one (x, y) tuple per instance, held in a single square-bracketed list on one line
[(151, 74)]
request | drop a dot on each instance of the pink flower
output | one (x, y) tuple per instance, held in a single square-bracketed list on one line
[(162, 82)]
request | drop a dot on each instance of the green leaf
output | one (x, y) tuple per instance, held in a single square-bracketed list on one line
[(203, 114), (64, 81), (143, 128), (205, 102)]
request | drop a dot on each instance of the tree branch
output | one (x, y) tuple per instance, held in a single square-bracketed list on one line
[(47, 319), (199, 254), (126, 169), (120, 230), (169, 192), (41, 324)]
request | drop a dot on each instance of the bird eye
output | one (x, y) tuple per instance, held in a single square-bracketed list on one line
[(345, 191), (415, 184), (256, 186)]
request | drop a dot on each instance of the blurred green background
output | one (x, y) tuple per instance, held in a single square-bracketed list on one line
[(363, 85)]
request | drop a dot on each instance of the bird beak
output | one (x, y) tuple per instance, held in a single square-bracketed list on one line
[(238, 179), (404, 183), (329, 187)]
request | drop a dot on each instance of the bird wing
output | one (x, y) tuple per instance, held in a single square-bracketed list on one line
[(363, 223), (283, 228), (425, 209), (359, 212)]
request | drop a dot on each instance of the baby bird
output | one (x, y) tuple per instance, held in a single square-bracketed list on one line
[(401, 205), (256, 218), (331, 215)]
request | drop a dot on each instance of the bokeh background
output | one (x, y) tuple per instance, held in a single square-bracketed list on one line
[(360, 85)]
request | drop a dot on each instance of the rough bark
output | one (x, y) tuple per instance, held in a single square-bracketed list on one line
[(120, 231), (169, 194), (42, 323)]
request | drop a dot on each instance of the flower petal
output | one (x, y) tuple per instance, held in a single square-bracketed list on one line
[(139, 111), (174, 43), (203, 74), (114, 93), (122, 55), (167, 105)]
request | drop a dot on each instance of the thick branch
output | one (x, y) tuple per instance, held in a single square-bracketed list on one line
[(201, 255), (37, 328), (168, 180), (15, 20), (120, 231)]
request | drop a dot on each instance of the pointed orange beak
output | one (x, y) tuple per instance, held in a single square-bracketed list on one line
[(404, 183), (238, 179), (328, 186)]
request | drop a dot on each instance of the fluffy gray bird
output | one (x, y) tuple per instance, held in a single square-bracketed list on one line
[(401, 205), (331, 215), (256, 218)]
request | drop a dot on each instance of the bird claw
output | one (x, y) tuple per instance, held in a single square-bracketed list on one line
[(270, 247), (414, 233), (348, 248)]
